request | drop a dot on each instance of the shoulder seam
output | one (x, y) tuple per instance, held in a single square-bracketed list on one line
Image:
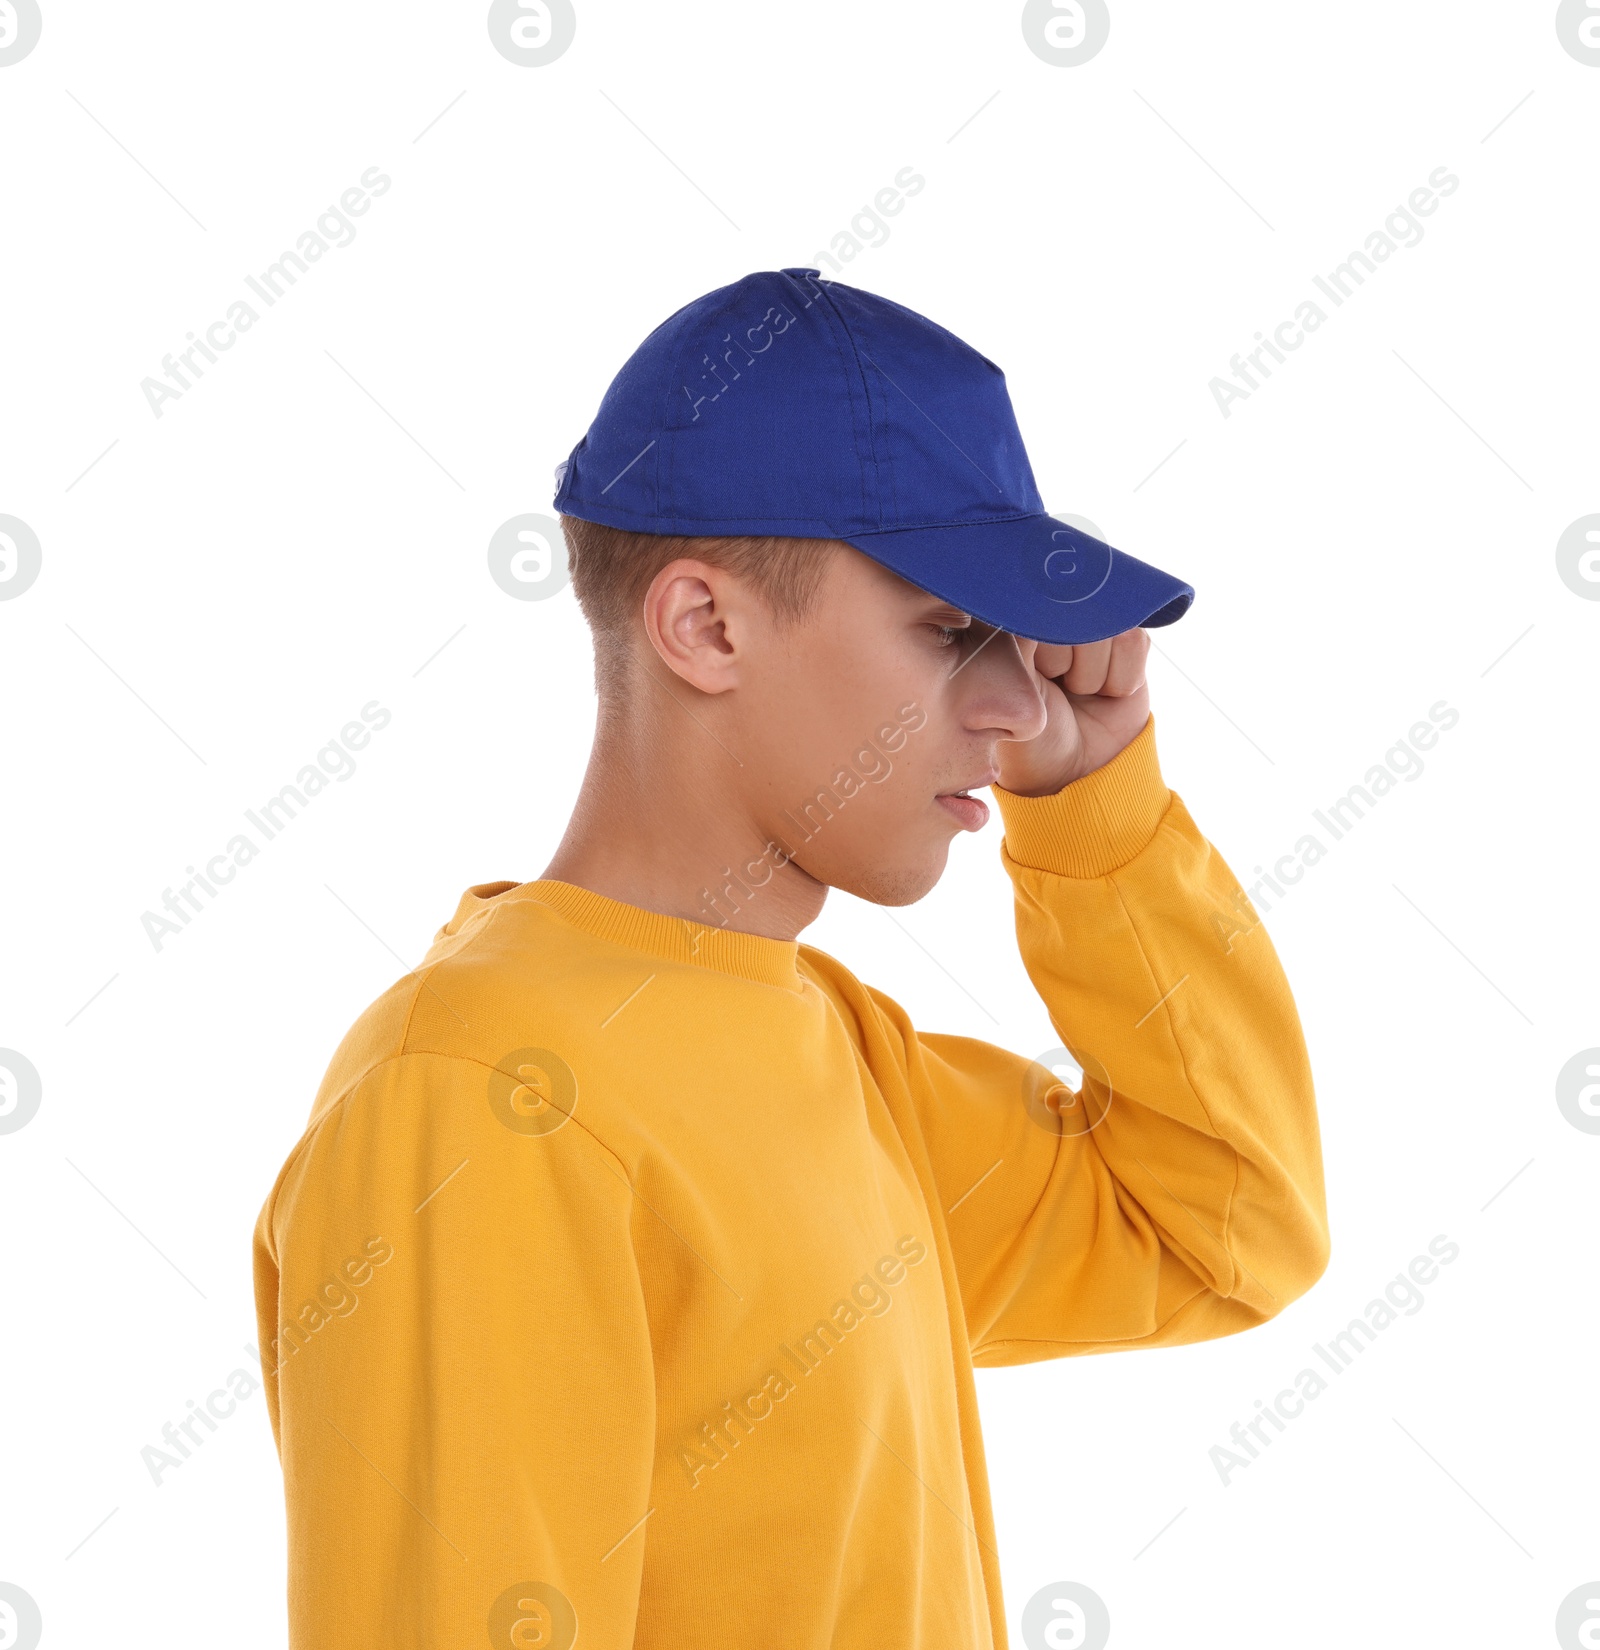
[(422, 978), (314, 1127)]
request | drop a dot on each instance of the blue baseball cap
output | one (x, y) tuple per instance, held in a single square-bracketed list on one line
[(792, 406)]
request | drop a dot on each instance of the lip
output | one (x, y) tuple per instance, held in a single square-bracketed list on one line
[(971, 812), (989, 776)]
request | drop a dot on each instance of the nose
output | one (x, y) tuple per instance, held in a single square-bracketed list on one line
[(1001, 690)]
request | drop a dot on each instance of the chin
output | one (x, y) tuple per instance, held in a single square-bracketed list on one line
[(893, 884)]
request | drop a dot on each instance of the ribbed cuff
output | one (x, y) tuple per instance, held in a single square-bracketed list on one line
[(1094, 825)]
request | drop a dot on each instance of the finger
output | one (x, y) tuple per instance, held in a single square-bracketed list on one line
[(1125, 669), (1052, 659), (1090, 661)]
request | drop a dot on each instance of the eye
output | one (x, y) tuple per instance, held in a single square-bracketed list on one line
[(948, 634)]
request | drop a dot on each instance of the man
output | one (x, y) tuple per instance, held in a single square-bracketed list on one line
[(630, 1276)]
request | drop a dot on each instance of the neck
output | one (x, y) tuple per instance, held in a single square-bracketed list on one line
[(662, 823)]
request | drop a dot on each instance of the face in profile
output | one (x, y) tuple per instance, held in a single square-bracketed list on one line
[(857, 726)]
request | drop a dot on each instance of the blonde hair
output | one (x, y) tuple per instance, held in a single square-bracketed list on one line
[(612, 567)]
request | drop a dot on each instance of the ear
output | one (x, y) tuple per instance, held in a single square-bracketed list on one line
[(691, 617)]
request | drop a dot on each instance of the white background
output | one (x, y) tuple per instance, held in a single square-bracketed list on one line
[(1372, 532)]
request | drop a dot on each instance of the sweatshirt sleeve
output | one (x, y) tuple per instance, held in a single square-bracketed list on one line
[(1178, 1194), (458, 1366)]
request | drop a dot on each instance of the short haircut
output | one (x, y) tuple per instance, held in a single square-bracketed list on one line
[(612, 568)]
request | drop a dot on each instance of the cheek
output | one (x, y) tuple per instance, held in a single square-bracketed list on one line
[(844, 703), (823, 711)]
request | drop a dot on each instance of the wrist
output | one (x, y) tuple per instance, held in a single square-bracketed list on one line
[(1094, 824)]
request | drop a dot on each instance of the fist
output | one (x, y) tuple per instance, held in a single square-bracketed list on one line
[(1098, 703)]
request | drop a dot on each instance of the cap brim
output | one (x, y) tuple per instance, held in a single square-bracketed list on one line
[(1032, 575)]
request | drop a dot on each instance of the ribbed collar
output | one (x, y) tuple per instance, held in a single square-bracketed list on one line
[(674, 939)]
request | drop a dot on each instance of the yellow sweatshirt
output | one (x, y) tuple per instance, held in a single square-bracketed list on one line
[(628, 1280)]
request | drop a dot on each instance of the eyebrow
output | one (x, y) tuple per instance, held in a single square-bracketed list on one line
[(957, 615)]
